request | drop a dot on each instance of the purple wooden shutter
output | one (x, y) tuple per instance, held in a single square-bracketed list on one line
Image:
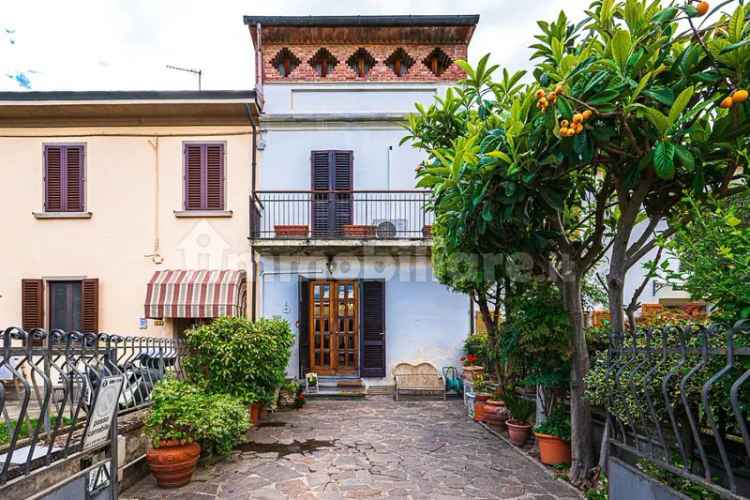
[(343, 182), (193, 177), (372, 303), (214, 187), (74, 178), (320, 179), (64, 178), (53, 166)]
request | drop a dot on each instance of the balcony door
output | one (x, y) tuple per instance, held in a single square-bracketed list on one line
[(332, 181), (334, 327)]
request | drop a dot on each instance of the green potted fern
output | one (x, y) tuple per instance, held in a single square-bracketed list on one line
[(521, 411)]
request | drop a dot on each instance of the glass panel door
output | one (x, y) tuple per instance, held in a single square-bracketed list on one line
[(334, 327)]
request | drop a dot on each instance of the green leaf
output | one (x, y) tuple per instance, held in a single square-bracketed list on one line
[(641, 85), (732, 221), (665, 16), (564, 108), (500, 155), (685, 157), (621, 46), (664, 159), (656, 117), (735, 46), (679, 105), (737, 24)]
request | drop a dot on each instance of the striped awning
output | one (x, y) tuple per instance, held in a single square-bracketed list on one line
[(196, 294)]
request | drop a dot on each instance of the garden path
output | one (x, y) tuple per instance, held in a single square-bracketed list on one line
[(374, 448)]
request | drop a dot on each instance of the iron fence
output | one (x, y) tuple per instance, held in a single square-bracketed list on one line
[(340, 215), (48, 382), (677, 397)]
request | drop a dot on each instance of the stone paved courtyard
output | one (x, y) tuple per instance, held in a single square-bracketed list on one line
[(371, 448)]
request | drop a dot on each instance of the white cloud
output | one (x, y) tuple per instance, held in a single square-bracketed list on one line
[(125, 44)]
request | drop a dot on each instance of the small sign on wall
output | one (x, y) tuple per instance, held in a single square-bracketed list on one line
[(142, 323)]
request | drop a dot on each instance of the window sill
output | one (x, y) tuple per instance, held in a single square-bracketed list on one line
[(192, 214), (62, 215)]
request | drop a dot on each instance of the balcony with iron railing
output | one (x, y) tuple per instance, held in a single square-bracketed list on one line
[(342, 219)]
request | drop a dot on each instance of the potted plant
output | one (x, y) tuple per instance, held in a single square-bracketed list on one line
[(236, 356), (553, 437), (521, 411), (481, 395), (173, 426)]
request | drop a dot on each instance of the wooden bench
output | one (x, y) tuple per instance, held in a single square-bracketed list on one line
[(417, 379)]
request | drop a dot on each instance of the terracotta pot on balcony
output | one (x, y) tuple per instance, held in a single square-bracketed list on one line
[(291, 231), (358, 231), (427, 231)]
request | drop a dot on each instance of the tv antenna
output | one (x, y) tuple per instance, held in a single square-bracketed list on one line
[(197, 72)]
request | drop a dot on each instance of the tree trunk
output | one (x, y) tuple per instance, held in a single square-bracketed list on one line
[(580, 410), (616, 283)]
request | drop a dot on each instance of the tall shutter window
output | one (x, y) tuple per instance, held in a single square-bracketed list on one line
[(32, 304), (90, 305), (304, 326), (372, 302), (332, 180), (64, 176), (204, 176)]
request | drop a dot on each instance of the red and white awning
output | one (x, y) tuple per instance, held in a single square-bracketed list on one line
[(196, 294)]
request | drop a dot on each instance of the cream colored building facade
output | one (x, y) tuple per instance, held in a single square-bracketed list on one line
[(134, 220)]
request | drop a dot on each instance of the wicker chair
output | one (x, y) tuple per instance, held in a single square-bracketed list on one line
[(417, 379)]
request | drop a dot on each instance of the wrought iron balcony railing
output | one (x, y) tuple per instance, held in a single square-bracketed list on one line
[(325, 215)]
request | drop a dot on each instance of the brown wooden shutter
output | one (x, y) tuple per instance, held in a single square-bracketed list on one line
[(53, 165), (90, 305), (372, 302), (73, 178), (214, 177), (193, 176), (32, 304)]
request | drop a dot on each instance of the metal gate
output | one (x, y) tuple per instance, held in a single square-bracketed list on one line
[(60, 397)]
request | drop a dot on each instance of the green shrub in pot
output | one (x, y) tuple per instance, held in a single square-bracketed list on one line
[(182, 412), (239, 357)]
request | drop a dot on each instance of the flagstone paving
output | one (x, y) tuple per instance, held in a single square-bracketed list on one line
[(374, 448)]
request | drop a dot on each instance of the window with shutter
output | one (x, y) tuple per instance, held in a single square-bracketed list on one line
[(204, 176), (64, 178), (372, 355), (32, 304), (332, 181)]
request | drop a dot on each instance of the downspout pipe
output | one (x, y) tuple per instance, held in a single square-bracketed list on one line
[(253, 168)]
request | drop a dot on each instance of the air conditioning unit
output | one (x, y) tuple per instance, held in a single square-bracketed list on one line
[(389, 228)]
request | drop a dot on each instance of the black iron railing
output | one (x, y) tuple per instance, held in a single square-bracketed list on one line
[(340, 215), (49, 381), (678, 397)]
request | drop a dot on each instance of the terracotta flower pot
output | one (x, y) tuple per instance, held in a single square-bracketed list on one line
[(479, 406), (427, 231), (291, 230), (518, 432), (173, 464), (552, 449), (255, 412), (495, 413), (471, 372), (358, 231)]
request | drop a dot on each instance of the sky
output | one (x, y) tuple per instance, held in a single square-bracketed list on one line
[(126, 44)]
